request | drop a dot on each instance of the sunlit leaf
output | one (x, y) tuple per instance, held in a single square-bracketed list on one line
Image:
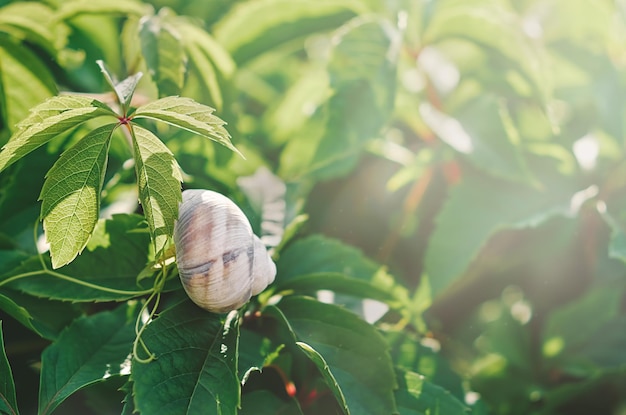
[(163, 53), (254, 27), (24, 82), (187, 114), (47, 120), (71, 195), (91, 350), (72, 9), (125, 89), (159, 178), (195, 370)]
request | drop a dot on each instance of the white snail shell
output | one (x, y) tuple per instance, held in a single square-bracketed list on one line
[(221, 262)]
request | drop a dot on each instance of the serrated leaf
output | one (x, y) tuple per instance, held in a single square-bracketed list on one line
[(416, 396), (116, 253), (47, 120), (24, 82), (195, 370), (162, 50), (470, 217), (262, 402), (71, 195), (252, 28), (8, 400), (71, 9), (346, 347), (125, 89), (158, 178), (187, 114), (91, 350)]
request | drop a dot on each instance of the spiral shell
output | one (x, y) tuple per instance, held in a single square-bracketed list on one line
[(221, 262)]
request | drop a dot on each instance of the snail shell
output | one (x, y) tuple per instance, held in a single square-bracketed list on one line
[(221, 262)]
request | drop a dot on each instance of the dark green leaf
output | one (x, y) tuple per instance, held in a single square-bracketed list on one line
[(91, 350), (476, 209), (47, 120), (195, 370), (116, 253), (71, 195), (346, 350), (187, 114), (158, 178), (262, 402), (256, 350), (8, 401), (417, 396), (45, 317)]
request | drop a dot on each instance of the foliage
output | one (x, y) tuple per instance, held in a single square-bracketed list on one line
[(441, 184)]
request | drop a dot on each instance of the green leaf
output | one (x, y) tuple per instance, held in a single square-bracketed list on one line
[(262, 402), (158, 178), (568, 328), (479, 131), (71, 195), (338, 283), (47, 120), (8, 401), (30, 21), (125, 89), (195, 370), (71, 9), (494, 27), (24, 82), (116, 253), (208, 60), (45, 317), (362, 73), (91, 350), (328, 376), (256, 27), (476, 209), (162, 50), (417, 396), (351, 355), (320, 254), (187, 114)]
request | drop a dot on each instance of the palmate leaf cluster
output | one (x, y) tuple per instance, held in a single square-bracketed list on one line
[(442, 183)]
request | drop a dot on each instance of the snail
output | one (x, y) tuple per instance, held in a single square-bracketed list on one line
[(221, 262)]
